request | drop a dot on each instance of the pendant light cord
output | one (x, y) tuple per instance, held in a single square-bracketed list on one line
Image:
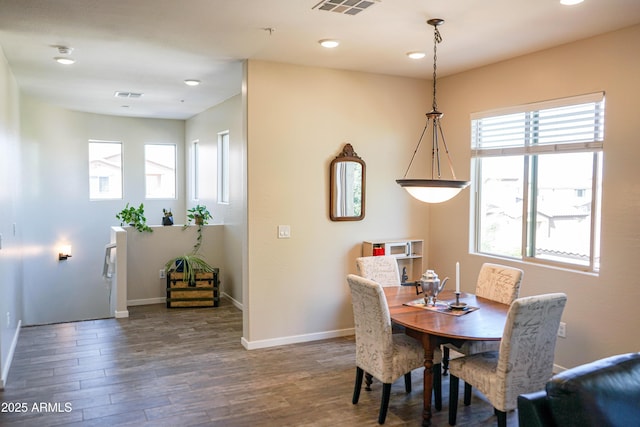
[(437, 38), (434, 116)]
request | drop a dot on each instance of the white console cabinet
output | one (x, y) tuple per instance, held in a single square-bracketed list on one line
[(408, 253)]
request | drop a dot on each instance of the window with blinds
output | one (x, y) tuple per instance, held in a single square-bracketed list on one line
[(537, 182)]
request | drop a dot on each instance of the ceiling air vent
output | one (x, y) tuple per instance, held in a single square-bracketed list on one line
[(128, 95), (348, 7)]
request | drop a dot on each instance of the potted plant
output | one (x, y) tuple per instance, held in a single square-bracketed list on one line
[(192, 263), (201, 216), (167, 217), (134, 217)]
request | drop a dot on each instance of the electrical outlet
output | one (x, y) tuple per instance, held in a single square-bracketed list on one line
[(562, 330), (163, 274), (284, 232)]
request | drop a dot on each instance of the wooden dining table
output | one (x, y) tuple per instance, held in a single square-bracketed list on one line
[(434, 328)]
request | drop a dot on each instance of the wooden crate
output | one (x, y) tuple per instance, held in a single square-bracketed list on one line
[(204, 292)]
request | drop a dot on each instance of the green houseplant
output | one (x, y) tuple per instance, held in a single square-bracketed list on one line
[(167, 217), (192, 263), (198, 214), (201, 216), (134, 217)]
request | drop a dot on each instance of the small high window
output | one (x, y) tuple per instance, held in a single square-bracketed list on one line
[(195, 175), (105, 170), (160, 171), (223, 167)]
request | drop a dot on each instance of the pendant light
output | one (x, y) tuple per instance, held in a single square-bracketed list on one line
[(433, 190)]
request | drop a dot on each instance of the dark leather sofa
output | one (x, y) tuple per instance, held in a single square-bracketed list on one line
[(604, 393)]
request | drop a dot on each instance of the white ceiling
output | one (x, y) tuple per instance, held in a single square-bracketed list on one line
[(151, 46)]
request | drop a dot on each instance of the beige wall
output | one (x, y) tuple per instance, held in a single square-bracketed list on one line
[(204, 128), (299, 119), (600, 314)]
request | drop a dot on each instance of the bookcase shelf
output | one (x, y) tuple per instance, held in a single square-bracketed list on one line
[(408, 253)]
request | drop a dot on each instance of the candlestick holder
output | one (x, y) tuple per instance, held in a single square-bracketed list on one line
[(458, 305)]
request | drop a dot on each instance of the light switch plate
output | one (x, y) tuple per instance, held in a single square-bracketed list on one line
[(284, 232)]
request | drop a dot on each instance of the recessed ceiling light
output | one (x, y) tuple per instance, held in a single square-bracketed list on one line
[(64, 60), (416, 55), (570, 2), (192, 82), (329, 43)]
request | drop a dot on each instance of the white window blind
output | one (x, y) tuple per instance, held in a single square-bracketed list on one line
[(574, 124)]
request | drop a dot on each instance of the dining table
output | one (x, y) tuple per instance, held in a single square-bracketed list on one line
[(482, 320)]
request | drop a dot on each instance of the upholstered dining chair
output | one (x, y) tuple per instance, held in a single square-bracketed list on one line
[(495, 282), (381, 269), (379, 352), (524, 362), (384, 270)]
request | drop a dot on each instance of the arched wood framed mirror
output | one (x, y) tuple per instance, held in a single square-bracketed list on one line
[(347, 186)]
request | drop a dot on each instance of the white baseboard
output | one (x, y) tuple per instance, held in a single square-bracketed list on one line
[(274, 342), (146, 301), (12, 349), (234, 301), (557, 369), (163, 300), (121, 314)]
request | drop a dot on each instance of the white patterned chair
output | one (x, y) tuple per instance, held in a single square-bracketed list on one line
[(384, 270), (524, 362), (379, 352), (499, 282), (381, 269), (495, 282)]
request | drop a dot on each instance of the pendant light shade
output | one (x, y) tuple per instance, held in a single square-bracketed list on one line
[(433, 190)]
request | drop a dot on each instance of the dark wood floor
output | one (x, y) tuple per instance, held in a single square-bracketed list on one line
[(186, 367)]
